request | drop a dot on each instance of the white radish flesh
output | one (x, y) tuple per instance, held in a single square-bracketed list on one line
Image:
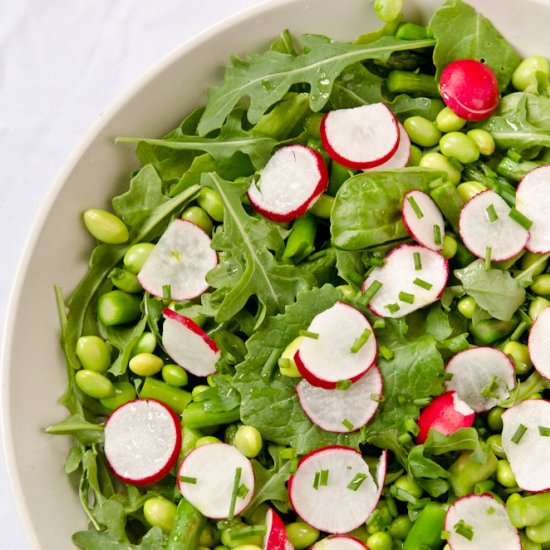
[(178, 264), (333, 489), (533, 201), (336, 351), (342, 411), (539, 336), (526, 442), (217, 480), (275, 537), (292, 179), (479, 522), (401, 156), (339, 542), (482, 377), (188, 345), (411, 278), (142, 441), (423, 220), (361, 137), (487, 229)]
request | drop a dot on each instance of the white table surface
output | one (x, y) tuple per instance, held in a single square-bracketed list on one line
[(62, 62)]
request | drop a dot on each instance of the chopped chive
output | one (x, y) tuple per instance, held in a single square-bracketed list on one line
[(361, 340), (490, 511), (415, 207), (191, 480), (378, 397), (422, 283), (437, 234), (406, 297), (166, 292), (357, 481), (484, 486), (309, 334), (236, 481), (369, 294), (545, 432), (491, 388), (323, 480), (243, 491), (445, 375), (422, 401), (379, 323), (316, 480), (285, 363), (492, 215), (343, 384), (401, 494), (519, 218), (463, 529), (393, 308), (385, 352), (248, 531), (417, 261), (488, 252), (519, 433), (445, 535), (347, 424), (404, 439)]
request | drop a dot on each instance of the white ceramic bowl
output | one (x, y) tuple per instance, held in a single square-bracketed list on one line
[(57, 252)]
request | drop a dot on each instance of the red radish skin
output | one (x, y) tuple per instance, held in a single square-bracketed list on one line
[(489, 523), (275, 537), (530, 455), (533, 201), (402, 154), (333, 507), (188, 345), (142, 441), (325, 361), (213, 468), (361, 137), (180, 261), (470, 89), (421, 229), (290, 183), (539, 336), (445, 414), (339, 542), (342, 411)]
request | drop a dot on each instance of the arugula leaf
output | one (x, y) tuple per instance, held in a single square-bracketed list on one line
[(103, 540), (537, 108), (265, 78), (463, 33), (495, 291), (76, 425), (247, 266), (367, 208)]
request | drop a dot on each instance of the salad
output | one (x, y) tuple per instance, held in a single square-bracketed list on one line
[(317, 318)]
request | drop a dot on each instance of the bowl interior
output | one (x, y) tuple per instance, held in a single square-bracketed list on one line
[(57, 253)]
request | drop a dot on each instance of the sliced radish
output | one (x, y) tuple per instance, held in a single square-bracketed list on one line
[(275, 537), (412, 277), (342, 411), (445, 414), (526, 442), (178, 264), (533, 201), (188, 345), (423, 220), (361, 137), (470, 89), (487, 229), (142, 441), (217, 480), (290, 182), (539, 336), (338, 345), (333, 489), (401, 156), (339, 542), (479, 522), (482, 377)]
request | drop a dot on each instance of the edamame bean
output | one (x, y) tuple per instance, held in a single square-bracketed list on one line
[(301, 535), (412, 31), (470, 189), (408, 485), (448, 121), (146, 343), (459, 146), (190, 436), (160, 512), (494, 419), (422, 131), (93, 353), (519, 353), (136, 256), (380, 541), (400, 527), (415, 156), (175, 375), (450, 247), (527, 544), (541, 285), (483, 139), (206, 440), (286, 363), (526, 72), (514, 497), (118, 308), (248, 440), (535, 262), (105, 227), (196, 215), (94, 384), (211, 202), (145, 364), (125, 280), (437, 161), (505, 476), (207, 537), (176, 398), (537, 306), (467, 306), (388, 10), (495, 443), (322, 207), (247, 547), (539, 533), (123, 392)]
